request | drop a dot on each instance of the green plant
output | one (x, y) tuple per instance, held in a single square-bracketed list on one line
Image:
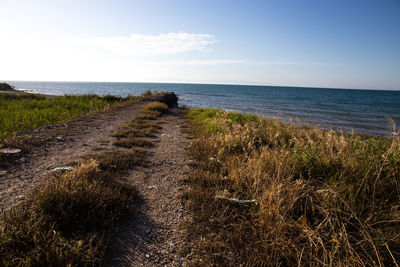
[(28, 111), (323, 197)]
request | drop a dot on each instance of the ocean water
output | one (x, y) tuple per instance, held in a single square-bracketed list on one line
[(363, 111)]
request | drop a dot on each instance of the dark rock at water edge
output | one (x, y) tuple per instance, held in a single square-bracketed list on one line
[(169, 98), (6, 87)]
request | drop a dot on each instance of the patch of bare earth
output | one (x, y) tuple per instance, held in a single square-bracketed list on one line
[(152, 235), (58, 146)]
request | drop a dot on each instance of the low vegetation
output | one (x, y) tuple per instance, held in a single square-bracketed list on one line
[(269, 193), (153, 110), (28, 111), (70, 221), (67, 222)]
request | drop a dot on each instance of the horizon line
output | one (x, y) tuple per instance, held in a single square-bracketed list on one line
[(208, 83)]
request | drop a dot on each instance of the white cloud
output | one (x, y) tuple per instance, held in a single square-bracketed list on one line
[(192, 62), (218, 62), (149, 45)]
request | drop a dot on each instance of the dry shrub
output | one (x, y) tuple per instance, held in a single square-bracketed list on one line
[(323, 197), (159, 107), (68, 222)]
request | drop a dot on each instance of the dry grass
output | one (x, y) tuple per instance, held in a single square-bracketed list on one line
[(153, 110), (32, 139), (134, 133), (127, 132), (324, 198), (120, 161), (156, 106), (133, 142), (68, 222)]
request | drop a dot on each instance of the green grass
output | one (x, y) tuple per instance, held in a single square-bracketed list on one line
[(70, 221), (23, 112), (324, 198), (206, 117)]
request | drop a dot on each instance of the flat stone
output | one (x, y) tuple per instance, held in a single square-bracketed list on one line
[(10, 150)]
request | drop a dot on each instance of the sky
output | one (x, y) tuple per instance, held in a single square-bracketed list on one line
[(315, 43)]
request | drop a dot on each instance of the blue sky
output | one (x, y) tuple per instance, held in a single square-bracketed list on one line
[(318, 43)]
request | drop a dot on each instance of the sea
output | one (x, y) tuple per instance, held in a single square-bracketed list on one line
[(369, 112)]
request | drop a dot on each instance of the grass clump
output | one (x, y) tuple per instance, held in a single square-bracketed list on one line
[(156, 106), (68, 222), (133, 142), (28, 111), (134, 134), (153, 110), (120, 161), (322, 197)]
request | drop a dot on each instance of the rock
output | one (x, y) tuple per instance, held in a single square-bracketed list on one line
[(147, 256), (6, 87), (23, 160), (2, 173), (168, 98), (10, 150), (62, 169)]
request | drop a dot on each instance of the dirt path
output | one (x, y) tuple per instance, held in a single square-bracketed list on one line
[(68, 143), (151, 236)]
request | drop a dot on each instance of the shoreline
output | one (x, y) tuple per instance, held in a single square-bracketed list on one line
[(363, 111)]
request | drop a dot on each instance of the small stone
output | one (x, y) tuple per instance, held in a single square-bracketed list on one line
[(10, 150), (147, 256), (62, 169), (2, 173), (23, 160), (20, 197)]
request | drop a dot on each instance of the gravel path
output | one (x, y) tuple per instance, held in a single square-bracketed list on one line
[(67, 142), (152, 235)]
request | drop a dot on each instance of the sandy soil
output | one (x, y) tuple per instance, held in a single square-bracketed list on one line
[(152, 235)]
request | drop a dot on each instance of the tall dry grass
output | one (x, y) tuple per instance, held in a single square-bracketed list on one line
[(68, 222), (323, 198)]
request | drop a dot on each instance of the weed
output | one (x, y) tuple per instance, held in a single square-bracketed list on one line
[(23, 112), (156, 106), (324, 197), (68, 222), (132, 142)]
